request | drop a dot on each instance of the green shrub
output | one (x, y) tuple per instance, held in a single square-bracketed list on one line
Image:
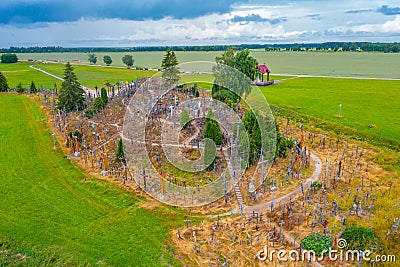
[(320, 244)]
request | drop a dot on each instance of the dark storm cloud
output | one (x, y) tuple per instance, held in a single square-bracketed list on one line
[(357, 11), (386, 10), (258, 18), (25, 12)]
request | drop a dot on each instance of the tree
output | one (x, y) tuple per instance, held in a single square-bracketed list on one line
[(168, 64), (107, 60), (120, 151), (3, 83), (71, 95), (128, 61), (184, 118), (209, 154), (213, 132), (98, 104), (227, 80), (33, 88), (103, 94), (9, 58), (282, 144), (20, 89), (246, 64), (92, 58)]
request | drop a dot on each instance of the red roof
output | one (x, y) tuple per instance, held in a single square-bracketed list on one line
[(263, 68)]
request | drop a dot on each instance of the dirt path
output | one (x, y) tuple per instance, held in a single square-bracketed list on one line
[(314, 177), (260, 208)]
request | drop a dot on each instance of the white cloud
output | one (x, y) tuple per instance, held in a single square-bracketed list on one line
[(391, 26), (260, 23)]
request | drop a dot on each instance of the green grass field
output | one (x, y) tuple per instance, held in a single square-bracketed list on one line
[(20, 72), (53, 217), (314, 63), (369, 106), (90, 76)]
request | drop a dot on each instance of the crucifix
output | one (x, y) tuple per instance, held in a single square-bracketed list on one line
[(273, 188)]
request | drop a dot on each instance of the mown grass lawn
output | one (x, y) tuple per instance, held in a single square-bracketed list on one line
[(20, 72), (90, 76), (50, 214)]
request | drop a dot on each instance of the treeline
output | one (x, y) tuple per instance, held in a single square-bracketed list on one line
[(329, 46), (338, 46), (59, 49)]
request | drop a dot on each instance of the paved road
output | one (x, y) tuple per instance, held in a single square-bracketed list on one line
[(93, 92)]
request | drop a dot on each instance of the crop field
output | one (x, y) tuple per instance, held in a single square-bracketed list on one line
[(54, 214), (314, 63)]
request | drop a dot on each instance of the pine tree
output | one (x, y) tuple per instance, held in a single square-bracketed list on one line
[(120, 151), (71, 95), (20, 89), (103, 94), (209, 154), (33, 88), (213, 132), (168, 64), (3, 83), (98, 104)]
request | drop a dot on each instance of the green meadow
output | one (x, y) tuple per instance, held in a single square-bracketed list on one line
[(53, 214), (369, 106), (362, 64), (20, 72), (90, 76)]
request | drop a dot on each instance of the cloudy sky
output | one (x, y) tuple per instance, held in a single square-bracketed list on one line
[(72, 23)]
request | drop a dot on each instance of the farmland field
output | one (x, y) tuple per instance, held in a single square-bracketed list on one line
[(54, 214), (314, 63)]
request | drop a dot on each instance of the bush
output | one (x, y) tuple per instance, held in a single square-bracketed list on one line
[(89, 113), (98, 104), (320, 244), (20, 89), (316, 185), (360, 238)]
